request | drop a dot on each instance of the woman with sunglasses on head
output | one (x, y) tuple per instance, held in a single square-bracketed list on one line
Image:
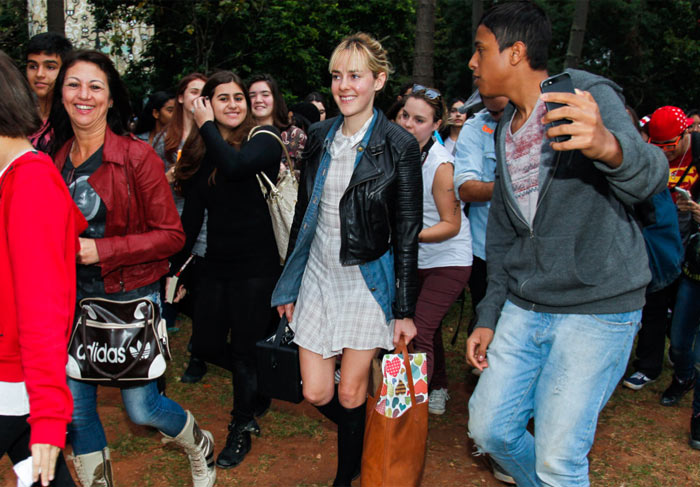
[(269, 108), (133, 227), (349, 284), (444, 254), (222, 157), (39, 228)]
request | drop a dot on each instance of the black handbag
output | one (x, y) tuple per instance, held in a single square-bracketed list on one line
[(279, 375), (118, 343)]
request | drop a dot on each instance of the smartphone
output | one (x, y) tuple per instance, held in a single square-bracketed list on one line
[(557, 84), (682, 193)]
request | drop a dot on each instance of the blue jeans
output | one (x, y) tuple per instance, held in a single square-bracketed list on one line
[(144, 405), (685, 350), (560, 369)]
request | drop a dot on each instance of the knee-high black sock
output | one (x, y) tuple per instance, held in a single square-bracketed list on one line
[(333, 410), (351, 432)]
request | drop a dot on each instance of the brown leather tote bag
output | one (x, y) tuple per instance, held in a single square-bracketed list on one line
[(394, 448)]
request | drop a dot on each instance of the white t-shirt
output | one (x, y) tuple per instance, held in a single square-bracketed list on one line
[(456, 251), (523, 152), (450, 145)]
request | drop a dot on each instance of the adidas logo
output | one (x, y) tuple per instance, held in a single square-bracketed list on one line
[(102, 354), (135, 351), (112, 355)]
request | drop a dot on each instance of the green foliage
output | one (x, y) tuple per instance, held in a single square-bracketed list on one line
[(649, 47), (13, 29), (453, 47), (651, 50), (291, 40)]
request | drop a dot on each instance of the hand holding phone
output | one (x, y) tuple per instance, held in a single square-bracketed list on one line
[(682, 193), (588, 133), (559, 83)]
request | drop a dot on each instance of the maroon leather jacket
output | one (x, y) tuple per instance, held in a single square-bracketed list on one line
[(143, 227)]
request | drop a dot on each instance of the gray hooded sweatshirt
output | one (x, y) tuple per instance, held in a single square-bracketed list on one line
[(584, 252)]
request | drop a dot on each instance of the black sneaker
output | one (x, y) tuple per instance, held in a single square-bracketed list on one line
[(196, 369), (237, 444), (675, 392), (695, 432)]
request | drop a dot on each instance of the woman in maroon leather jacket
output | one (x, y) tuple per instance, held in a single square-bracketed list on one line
[(118, 184)]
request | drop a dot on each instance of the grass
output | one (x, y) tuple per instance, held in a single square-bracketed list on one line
[(281, 424), (129, 443)]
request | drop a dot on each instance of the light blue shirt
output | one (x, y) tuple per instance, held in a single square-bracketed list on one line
[(475, 160)]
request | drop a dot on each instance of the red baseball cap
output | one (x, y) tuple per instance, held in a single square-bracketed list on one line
[(668, 123)]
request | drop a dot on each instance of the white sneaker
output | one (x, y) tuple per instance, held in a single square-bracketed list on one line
[(437, 401)]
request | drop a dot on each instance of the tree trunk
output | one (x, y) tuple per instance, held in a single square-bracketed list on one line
[(55, 21), (578, 30), (425, 47), (477, 12)]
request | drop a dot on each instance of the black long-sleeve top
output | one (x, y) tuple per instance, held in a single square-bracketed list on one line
[(240, 241)]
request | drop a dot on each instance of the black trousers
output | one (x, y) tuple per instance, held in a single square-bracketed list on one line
[(239, 308), (14, 440), (651, 339)]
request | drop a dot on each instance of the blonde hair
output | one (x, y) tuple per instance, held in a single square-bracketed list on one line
[(363, 49)]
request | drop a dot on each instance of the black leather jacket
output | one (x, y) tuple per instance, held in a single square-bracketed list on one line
[(382, 206)]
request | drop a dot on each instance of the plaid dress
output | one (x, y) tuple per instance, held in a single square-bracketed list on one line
[(335, 309)]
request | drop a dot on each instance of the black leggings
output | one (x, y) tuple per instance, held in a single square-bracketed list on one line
[(242, 308), (14, 441)]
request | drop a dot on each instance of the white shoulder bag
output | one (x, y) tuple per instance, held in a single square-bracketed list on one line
[(280, 198)]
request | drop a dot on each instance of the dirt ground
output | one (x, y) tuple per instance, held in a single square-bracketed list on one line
[(638, 442)]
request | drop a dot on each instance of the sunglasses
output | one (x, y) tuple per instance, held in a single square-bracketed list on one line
[(429, 92), (668, 146)]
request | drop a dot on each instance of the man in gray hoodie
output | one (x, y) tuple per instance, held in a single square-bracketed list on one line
[(567, 266)]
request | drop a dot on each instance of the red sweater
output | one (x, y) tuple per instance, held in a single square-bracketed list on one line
[(39, 228)]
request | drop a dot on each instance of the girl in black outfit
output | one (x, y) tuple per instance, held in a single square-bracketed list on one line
[(241, 264)]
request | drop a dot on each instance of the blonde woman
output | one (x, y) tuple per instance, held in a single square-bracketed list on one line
[(350, 281)]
